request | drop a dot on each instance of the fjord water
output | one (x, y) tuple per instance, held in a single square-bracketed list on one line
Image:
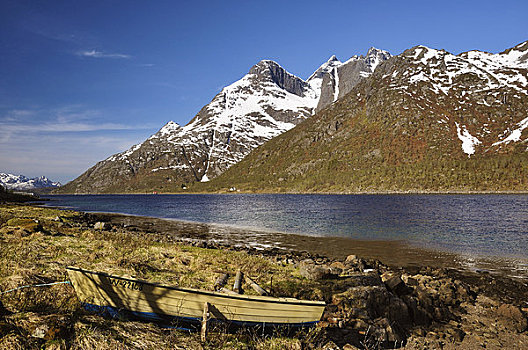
[(480, 225)]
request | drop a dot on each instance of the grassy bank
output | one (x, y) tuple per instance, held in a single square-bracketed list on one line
[(37, 252), (369, 304)]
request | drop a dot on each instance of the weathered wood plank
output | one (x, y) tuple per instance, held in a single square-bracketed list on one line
[(255, 286), (237, 287), (205, 319), (221, 281)]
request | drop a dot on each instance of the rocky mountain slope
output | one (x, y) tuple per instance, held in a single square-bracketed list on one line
[(337, 79), (263, 104), (22, 183), (425, 120)]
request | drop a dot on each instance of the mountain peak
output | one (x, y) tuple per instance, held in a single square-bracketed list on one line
[(272, 71), (332, 59), (375, 51), (326, 67), (172, 124), (518, 53), (262, 65), (169, 127), (375, 57)]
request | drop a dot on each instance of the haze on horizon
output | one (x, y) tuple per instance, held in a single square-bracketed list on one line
[(84, 80)]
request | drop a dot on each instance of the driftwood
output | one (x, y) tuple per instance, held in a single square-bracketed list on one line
[(221, 281), (237, 287), (255, 286)]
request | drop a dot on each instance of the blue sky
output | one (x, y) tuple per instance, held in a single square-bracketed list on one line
[(81, 80)]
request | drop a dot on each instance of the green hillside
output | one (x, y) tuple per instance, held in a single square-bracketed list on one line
[(390, 136)]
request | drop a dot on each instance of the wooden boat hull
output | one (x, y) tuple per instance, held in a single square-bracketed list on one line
[(161, 303)]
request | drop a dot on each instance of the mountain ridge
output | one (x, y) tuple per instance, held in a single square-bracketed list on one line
[(243, 115), (425, 120), (23, 183)]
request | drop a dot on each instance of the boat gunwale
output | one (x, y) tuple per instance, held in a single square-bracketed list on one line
[(264, 299)]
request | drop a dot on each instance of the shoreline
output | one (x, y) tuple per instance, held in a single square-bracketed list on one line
[(396, 253), (227, 191), (413, 306)]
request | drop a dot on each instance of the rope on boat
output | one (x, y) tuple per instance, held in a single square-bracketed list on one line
[(35, 285)]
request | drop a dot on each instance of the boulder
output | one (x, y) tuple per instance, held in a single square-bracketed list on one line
[(315, 272), (512, 318), (399, 312), (28, 225), (357, 279), (396, 285), (386, 333), (419, 316), (363, 302)]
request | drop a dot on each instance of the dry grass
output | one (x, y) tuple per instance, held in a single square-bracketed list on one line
[(52, 317)]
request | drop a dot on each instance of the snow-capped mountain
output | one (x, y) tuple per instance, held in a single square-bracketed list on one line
[(425, 120), (22, 183), (265, 103)]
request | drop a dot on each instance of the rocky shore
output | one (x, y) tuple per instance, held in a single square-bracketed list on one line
[(370, 304)]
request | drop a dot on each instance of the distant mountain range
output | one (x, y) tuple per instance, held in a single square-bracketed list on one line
[(22, 183), (263, 104), (424, 120)]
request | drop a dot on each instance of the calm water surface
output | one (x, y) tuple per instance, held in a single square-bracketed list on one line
[(481, 225)]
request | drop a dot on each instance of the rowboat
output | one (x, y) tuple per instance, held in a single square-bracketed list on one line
[(154, 302)]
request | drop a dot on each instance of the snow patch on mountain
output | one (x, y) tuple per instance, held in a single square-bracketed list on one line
[(468, 141), (316, 79), (441, 69), (514, 135)]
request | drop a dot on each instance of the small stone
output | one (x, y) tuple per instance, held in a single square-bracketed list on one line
[(330, 346), (99, 225), (337, 268), (40, 332), (457, 333), (349, 347), (350, 259)]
